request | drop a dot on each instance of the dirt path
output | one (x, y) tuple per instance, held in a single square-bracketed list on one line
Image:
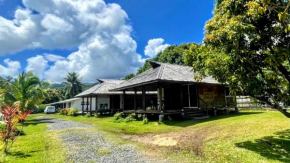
[(86, 144)]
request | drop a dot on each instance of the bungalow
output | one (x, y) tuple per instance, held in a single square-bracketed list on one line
[(69, 103), (100, 99), (177, 92)]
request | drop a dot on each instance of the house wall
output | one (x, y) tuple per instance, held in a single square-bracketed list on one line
[(214, 96)]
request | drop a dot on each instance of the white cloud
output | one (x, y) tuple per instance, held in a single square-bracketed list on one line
[(12, 68), (53, 57), (37, 65), (100, 32), (154, 47)]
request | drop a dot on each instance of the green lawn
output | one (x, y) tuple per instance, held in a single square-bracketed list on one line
[(250, 136), (37, 146)]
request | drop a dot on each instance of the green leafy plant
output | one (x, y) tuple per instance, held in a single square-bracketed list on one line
[(145, 121), (41, 108), (87, 115), (64, 111), (118, 115), (72, 112), (9, 133), (130, 117), (97, 115)]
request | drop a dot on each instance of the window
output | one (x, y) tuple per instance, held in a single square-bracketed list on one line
[(190, 97)]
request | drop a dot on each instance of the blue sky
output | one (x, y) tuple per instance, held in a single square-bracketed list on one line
[(174, 21)]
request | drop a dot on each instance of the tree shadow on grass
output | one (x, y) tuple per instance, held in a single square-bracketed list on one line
[(272, 147), (186, 123), (37, 121), (20, 154)]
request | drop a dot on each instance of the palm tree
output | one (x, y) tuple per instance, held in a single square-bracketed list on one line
[(24, 92), (73, 84)]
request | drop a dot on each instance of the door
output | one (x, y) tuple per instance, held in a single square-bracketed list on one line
[(190, 96)]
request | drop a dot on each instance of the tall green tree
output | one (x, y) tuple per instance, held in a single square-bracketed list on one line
[(129, 76), (73, 84), (24, 92), (247, 45), (172, 54)]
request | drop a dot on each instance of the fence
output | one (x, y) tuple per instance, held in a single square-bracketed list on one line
[(247, 102)]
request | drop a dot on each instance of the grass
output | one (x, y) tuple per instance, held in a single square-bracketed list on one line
[(103, 152), (37, 145), (250, 136)]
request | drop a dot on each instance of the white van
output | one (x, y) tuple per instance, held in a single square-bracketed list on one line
[(49, 109)]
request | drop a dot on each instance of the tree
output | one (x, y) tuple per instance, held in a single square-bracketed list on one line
[(172, 54), (53, 95), (24, 92), (247, 46), (129, 76), (73, 84)]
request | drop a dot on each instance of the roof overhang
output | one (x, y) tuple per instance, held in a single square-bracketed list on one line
[(162, 81)]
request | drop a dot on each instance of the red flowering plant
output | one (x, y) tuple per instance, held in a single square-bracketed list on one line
[(10, 118)]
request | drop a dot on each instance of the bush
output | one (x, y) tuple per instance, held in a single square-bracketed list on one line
[(145, 121), (88, 115), (118, 115), (97, 115), (130, 117), (72, 112), (64, 111), (41, 108)]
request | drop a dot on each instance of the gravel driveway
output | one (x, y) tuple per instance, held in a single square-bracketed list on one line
[(86, 144)]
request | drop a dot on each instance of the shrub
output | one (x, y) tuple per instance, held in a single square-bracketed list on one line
[(130, 117), (64, 111), (12, 118), (88, 115), (41, 108), (118, 115), (97, 115), (169, 118), (145, 121), (72, 112)]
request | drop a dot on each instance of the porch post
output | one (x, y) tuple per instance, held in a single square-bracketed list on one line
[(124, 99), (143, 98), (96, 103), (135, 99), (160, 97), (181, 97), (91, 100), (87, 104), (83, 103)]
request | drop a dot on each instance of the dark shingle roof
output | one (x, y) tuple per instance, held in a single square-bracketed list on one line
[(103, 87), (164, 72)]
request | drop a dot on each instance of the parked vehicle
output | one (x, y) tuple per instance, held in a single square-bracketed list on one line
[(49, 109)]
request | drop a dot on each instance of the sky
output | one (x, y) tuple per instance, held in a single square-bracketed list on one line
[(95, 38)]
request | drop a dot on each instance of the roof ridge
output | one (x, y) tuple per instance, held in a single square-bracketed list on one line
[(160, 72)]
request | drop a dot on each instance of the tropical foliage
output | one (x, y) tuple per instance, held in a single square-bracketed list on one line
[(247, 46), (9, 133), (24, 92), (173, 54), (73, 84), (129, 76)]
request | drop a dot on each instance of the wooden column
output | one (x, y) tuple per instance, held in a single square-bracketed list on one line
[(124, 99), (96, 103), (160, 97), (181, 96), (87, 104), (135, 99), (143, 98), (91, 103), (83, 103)]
